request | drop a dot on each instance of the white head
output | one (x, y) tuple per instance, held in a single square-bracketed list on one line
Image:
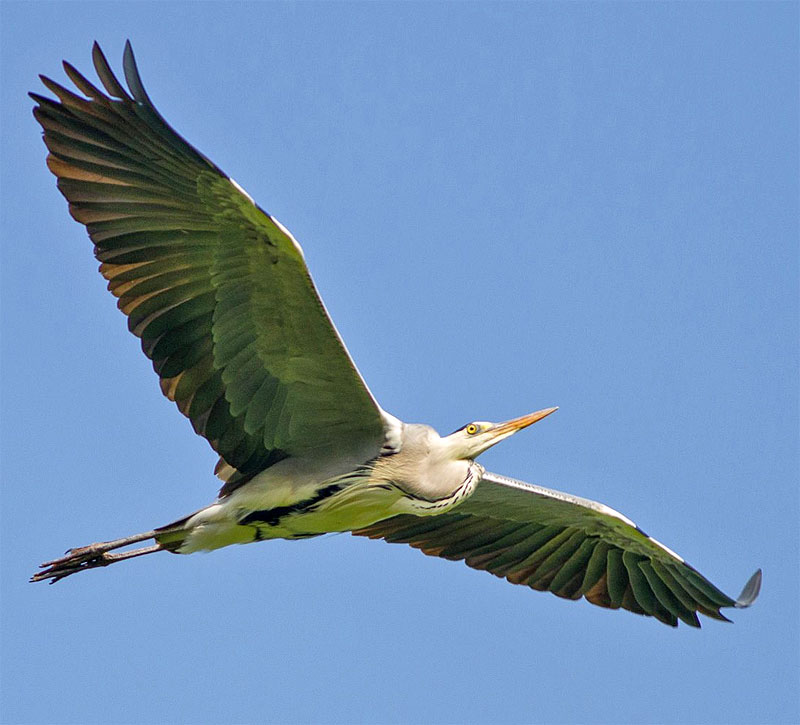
[(474, 438)]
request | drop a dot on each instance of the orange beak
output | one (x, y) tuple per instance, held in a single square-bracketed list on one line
[(512, 426)]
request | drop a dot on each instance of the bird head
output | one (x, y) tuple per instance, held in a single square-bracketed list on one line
[(474, 438)]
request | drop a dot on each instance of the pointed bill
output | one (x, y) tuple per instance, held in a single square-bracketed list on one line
[(512, 426)]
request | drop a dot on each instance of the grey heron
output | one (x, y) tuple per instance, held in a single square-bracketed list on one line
[(218, 292)]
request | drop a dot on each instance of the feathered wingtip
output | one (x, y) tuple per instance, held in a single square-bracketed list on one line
[(106, 75), (134, 100), (750, 591), (132, 77)]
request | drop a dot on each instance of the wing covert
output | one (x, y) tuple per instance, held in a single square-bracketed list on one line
[(215, 288), (570, 546)]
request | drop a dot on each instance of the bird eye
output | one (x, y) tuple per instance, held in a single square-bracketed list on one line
[(471, 429)]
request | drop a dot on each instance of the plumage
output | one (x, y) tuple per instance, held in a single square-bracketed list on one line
[(216, 290), (551, 541), (219, 294)]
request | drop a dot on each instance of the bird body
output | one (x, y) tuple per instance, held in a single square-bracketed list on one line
[(218, 292), (302, 497)]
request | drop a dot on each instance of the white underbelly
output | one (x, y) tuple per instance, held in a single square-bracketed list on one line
[(296, 499), (282, 511)]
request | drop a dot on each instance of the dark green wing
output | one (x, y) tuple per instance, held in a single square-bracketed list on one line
[(216, 289), (567, 545)]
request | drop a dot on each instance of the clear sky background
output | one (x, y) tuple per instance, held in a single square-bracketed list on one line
[(505, 207)]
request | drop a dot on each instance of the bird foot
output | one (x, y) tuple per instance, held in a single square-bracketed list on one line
[(75, 560), (92, 556)]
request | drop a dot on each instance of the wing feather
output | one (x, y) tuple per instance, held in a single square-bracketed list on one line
[(567, 545), (215, 288)]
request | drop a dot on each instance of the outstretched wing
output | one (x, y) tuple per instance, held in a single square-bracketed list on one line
[(216, 289), (567, 545)]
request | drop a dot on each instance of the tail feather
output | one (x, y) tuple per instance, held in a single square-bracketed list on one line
[(171, 536)]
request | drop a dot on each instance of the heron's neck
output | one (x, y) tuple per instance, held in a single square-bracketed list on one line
[(425, 468), (431, 507)]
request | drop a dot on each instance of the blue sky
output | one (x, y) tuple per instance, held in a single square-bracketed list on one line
[(505, 207)]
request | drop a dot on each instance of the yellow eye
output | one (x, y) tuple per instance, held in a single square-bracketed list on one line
[(472, 429)]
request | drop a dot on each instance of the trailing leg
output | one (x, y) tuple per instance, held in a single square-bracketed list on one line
[(97, 555)]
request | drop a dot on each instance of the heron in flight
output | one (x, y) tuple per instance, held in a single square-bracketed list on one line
[(218, 292)]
